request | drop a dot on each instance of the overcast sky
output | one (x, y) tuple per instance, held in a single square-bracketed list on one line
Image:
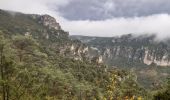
[(101, 17)]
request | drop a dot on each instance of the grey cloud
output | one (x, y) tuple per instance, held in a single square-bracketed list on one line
[(97, 9)]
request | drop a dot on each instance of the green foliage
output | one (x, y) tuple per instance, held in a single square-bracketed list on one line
[(34, 67), (36, 73), (163, 94)]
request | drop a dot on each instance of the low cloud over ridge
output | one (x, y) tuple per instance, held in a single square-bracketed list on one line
[(154, 24)]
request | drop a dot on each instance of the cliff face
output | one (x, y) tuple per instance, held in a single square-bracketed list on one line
[(144, 55), (161, 60), (49, 21), (142, 49)]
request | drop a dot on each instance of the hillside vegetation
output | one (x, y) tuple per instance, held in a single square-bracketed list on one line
[(36, 63)]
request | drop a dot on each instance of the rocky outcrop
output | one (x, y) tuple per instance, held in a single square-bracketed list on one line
[(49, 21), (142, 49), (161, 61)]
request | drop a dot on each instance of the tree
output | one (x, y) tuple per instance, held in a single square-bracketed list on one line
[(25, 45), (163, 94), (6, 66), (2, 66)]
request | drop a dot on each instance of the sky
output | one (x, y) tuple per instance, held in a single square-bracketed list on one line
[(105, 18)]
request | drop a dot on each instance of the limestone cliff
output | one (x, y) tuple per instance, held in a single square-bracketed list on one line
[(142, 49)]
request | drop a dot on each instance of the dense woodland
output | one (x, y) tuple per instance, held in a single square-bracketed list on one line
[(32, 68)]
